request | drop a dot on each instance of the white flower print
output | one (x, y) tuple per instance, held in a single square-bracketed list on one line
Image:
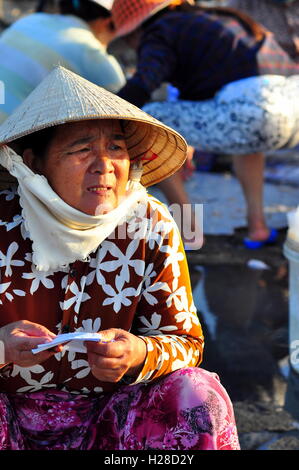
[(118, 298), (152, 286), (8, 295), (17, 220), (148, 274), (3, 287), (7, 260), (187, 318), (25, 372), (28, 257), (79, 296), (90, 326), (178, 297), (158, 229), (123, 261), (160, 207), (19, 292), (64, 284), (156, 286), (176, 343), (174, 255), (24, 232), (34, 385), (159, 232), (83, 372), (163, 356), (154, 328), (37, 278), (138, 223), (58, 326), (181, 363), (96, 263), (147, 377), (10, 193), (180, 300)]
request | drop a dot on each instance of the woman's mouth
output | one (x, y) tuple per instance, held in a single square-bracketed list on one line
[(99, 189)]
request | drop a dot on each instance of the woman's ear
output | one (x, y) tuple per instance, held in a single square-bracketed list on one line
[(109, 25), (30, 160)]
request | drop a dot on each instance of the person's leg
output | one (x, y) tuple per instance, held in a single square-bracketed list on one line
[(186, 410), (187, 218), (249, 170), (174, 190)]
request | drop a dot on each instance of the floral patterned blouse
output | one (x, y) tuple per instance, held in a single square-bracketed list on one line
[(137, 283)]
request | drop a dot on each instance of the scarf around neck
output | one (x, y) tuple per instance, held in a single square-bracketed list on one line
[(61, 234)]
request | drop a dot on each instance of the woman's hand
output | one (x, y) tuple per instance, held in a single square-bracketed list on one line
[(20, 337), (188, 168), (119, 353)]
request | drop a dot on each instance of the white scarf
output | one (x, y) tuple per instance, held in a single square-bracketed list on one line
[(61, 234)]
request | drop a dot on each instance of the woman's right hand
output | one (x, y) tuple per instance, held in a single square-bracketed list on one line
[(20, 337)]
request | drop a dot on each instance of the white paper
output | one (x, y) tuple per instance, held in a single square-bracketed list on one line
[(75, 341)]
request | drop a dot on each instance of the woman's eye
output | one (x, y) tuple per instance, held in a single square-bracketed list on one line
[(78, 151), (117, 146)]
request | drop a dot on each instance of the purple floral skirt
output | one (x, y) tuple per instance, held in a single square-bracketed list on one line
[(187, 410)]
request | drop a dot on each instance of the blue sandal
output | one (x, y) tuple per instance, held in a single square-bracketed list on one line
[(255, 244)]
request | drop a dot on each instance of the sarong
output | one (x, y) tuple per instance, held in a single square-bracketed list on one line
[(188, 409), (255, 114)]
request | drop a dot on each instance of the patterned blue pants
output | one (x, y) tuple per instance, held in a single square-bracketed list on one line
[(251, 115)]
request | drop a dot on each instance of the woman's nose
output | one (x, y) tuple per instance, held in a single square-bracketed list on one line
[(101, 163)]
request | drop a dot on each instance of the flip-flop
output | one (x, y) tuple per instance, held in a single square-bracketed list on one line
[(255, 244)]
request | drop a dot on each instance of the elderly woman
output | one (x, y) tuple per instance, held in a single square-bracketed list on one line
[(85, 249)]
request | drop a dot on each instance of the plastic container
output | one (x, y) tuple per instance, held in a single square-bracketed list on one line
[(291, 252)]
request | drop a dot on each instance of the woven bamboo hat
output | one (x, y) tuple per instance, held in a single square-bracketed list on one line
[(64, 96), (127, 15)]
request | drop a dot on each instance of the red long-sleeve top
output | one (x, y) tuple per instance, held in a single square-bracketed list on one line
[(138, 284)]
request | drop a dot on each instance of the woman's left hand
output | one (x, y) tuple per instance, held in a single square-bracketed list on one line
[(118, 353)]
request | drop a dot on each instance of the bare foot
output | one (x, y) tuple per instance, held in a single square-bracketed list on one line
[(259, 234)]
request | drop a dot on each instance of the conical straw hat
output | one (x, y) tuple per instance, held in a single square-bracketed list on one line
[(128, 15), (64, 96)]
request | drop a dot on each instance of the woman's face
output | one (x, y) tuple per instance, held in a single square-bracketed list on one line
[(87, 164)]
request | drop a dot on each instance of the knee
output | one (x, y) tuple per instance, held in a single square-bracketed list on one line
[(197, 398), (196, 386)]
